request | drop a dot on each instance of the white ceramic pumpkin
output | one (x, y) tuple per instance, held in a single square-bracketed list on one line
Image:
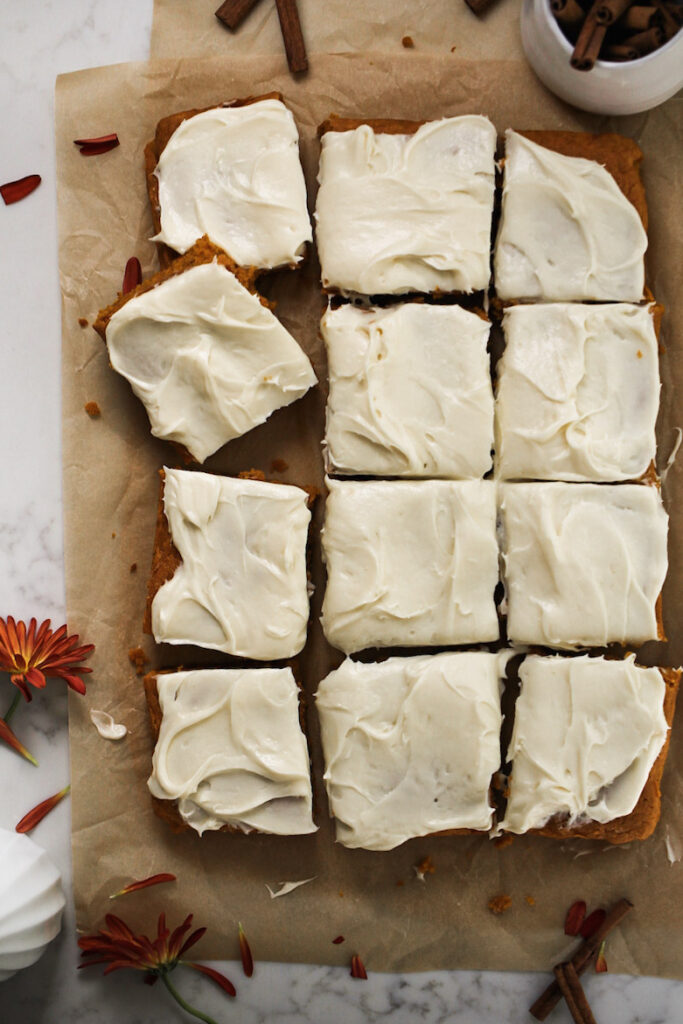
[(31, 902)]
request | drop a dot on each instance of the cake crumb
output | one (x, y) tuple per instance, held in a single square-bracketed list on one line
[(133, 566), (499, 904), (453, 49), (82, 322), (639, 354), (113, 534), (407, 42), (93, 410), (251, 474), (530, 900), (400, 882), (279, 465), (502, 841), (423, 868), (137, 657)]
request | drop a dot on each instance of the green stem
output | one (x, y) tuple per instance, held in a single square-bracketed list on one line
[(186, 1006), (13, 706)]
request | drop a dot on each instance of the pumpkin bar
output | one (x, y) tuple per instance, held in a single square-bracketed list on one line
[(410, 391), (583, 564), (588, 748), (229, 566), (203, 353), (573, 219), (231, 172), (411, 745), (405, 206), (410, 563), (230, 753)]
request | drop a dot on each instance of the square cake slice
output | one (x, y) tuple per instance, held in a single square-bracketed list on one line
[(410, 746), (584, 564), (230, 753), (410, 563), (588, 747), (203, 353), (578, 392), (231, 172), (405, 205), (229, 566), (572, 219), (410, 391)]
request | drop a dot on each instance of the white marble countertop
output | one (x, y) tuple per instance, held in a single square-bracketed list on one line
[(40, 39)]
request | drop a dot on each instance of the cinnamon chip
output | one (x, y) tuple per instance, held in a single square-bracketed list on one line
[(93, 410), (139, 659)]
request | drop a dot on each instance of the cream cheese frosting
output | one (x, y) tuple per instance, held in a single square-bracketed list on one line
[(398, 213), (410, 391), (587, 732), (241, 587), (410, 745), (410, 563), (578, 392), (231, 751), (233, 173), (584, 564), (567, 232), (206, 358)]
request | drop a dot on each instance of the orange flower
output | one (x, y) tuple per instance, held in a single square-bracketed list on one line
[(119, 948), (31, 655)]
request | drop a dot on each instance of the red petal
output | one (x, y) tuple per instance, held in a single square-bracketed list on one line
[(102, 144), (132, 275), (143, 884), (8, 737), (35, 816), (216, 976), (601, 963), (340, 938), (574, 918), (13, 191), (195, 937), (592, 923), (358, 969), (245, 952)]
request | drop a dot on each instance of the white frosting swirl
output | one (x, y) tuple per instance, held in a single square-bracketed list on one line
[(578, 393), (410, 745), (410, 391), (233, 173), (231, 750), (398, 213), (206, 358), (410, 563), (241, 587), (584, 563), (586, 735), (567, 231)]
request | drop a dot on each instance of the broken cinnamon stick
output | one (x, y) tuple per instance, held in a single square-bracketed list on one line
[(638, 18), (620, 51), (292, 35), (233, 12), (549, 999), (606, 12), (574, 996), (569, 13), (588, 44), (646, 42)]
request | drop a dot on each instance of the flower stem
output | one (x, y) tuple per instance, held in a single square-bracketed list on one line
[(13, 706), (186, 1006)]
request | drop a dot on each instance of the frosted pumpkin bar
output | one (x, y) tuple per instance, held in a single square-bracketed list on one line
[(231, 172), (230, 753), (410, 563), (203, 353), (588, 747), (410, 391), (583, 564), (410, 746), (578, 392), (405, 205), (229, 566), (573, 219)]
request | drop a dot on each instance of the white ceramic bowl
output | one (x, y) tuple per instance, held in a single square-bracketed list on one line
[(626, 87)]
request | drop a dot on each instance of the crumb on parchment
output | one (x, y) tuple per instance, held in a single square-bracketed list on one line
[(139, 659), (93, 410), (499, 904)]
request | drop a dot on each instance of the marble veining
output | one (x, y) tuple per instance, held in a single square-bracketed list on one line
[(41, 38)]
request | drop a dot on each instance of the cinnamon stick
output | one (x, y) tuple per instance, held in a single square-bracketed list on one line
[(620, 51), (233, 12), (606, 12), (479, 6), (292, 35), (568, 13), (670, 17), (646, 42), (549, 999), (574, 996), (638, 18), (587, 48)]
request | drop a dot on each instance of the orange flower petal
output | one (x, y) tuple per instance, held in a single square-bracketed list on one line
[(35, 816), (575, 917), (592, 923), (8, 737), (216, 976), (102, 144), (358, 968), (132, 275), (601, 963), (13, 191), (245, 953), (143, 884)]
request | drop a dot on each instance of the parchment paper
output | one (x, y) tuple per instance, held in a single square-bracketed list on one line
[(189, 28), (375, 900)]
